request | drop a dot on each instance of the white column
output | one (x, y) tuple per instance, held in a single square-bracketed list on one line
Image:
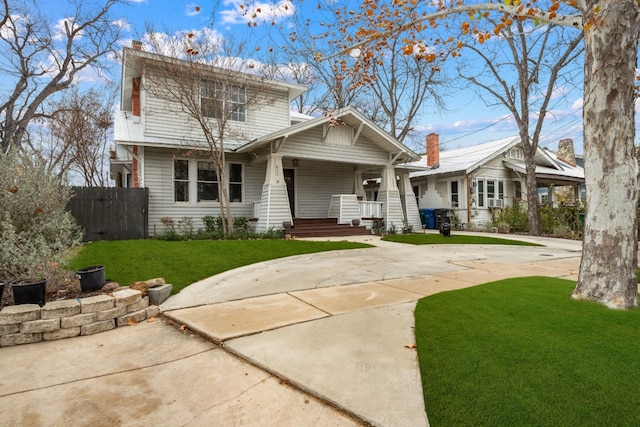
[(358, 186), (274, 203), (409, 203), (389, 195)]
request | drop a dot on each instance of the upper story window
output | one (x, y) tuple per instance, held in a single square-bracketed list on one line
[(516, 153), (218, 99)]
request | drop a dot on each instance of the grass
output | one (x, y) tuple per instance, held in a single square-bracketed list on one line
[(184, 262), (522, 352), (454, 239)]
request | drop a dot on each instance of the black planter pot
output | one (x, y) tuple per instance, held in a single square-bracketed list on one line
[(91, 278), (30, 292)]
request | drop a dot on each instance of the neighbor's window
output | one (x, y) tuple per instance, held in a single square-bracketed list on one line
[(454, 194), (480, 193), (500, 189), (235, 182), (207, 182), (517, 190), (516, 153), (218, 100), (491, 189)]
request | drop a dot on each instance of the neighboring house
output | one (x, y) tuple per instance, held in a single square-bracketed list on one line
[(282, 166), (475, 182)]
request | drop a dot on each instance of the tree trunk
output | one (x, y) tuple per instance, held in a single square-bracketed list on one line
[(608, 271), (532, 186)]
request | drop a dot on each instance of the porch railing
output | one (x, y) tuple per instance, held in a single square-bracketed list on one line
[(370, 209)]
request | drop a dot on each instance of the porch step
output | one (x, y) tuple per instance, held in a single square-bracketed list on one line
[(324, 227)]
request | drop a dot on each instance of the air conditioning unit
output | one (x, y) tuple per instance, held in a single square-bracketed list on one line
[(496, 203)]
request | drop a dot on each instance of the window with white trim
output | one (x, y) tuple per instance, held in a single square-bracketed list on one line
[(491, 189), (454, 194), (207, 182), (180, 180), (218, 99), (235, 182), (480, 190), (516, 153), (517, 190)]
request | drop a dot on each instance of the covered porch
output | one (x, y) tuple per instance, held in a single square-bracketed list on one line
[(315, 170), (331, 199)]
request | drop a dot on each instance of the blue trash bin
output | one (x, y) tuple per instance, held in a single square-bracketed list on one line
[(428, 218)]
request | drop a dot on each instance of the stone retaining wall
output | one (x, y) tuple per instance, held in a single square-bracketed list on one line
[(29, 323)]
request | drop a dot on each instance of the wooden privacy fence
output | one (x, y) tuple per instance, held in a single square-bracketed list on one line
[(111, 213)]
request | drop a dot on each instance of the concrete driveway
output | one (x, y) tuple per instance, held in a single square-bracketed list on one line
[(319, 339)]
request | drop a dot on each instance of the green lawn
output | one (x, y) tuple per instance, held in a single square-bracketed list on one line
[(182, 263), (522, 352), (454, 239)]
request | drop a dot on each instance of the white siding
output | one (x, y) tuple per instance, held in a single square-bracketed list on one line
[(274, 207), (391, 209), (269, 112), (158, 175), (316, 182), (308, 145)]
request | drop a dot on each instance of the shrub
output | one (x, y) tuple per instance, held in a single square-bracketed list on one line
[(183, 229), (515, 216), (212, 223), (36, 231)]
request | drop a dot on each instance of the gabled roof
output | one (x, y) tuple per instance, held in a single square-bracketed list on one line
[(466, 160), (130, 69), (350, 117)]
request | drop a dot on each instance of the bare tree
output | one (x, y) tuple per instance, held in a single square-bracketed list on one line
[(75, 139), (402, 84), (211, 85), (41, 59), (539, 59), (395, 92)]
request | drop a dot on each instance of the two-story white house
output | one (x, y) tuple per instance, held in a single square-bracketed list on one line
[(282, 167)]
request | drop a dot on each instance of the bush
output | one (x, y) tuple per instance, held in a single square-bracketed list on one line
[(515, 216), (183, 229), (36, 232)]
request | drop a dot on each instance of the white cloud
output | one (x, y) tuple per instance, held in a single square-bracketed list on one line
[(59, 28), (192, 9), (121, 24), (259, 11), (578, 104)]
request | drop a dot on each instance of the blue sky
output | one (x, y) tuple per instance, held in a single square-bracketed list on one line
[(466, 121)]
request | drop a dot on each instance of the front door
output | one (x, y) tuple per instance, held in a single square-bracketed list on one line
[(289, 179)]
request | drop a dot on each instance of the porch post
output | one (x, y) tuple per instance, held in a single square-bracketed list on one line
[(358, 186), (274, 203), (389, 195), (409, 204)]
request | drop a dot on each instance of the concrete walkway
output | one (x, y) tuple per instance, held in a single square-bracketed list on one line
[(334, 327)]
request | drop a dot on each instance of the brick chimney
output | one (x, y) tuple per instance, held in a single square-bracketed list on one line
[(136, 44), (565, 152), (433, 149)]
